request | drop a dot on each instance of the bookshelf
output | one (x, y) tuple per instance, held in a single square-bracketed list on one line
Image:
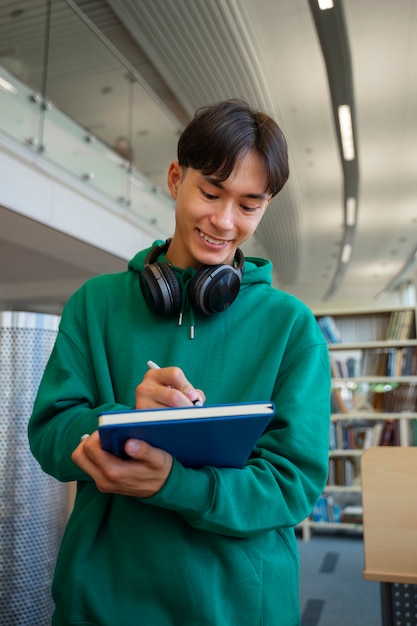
[(374, 403)]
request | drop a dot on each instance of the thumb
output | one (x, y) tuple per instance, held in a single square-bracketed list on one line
[(142, 451), (135, 448)]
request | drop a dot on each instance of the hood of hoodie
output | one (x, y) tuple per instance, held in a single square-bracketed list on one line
[(256, 270)]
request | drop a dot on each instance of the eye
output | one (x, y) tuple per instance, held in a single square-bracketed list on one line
[(209, 196), (249, 209)]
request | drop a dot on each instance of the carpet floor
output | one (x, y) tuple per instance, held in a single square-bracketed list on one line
[(333, 591)]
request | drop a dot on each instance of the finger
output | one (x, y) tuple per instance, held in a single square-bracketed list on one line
[(168, 387), (182, 384), (89, 441), (83, 460), (88, 453), (143, 451), (105, 469), (201, 398)]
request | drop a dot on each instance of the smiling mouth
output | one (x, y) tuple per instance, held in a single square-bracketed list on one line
[(216, 242)]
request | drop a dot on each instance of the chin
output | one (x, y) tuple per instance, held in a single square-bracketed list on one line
[(218, 260), (209, 255)]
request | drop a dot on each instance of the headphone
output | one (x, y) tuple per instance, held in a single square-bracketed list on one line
[(212, 289)]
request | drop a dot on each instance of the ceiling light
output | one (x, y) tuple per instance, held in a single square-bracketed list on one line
[(346, 132), (325, 4), (6, 86), (332, 31), (350, 212), (346, 252)]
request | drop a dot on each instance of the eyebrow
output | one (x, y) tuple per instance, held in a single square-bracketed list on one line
[(254, 196)]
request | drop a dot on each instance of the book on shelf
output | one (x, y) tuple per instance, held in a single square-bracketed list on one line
[(326, 509), (352, 514), (413, 432), (402, 361), (405, 432), (216, 435), (374, 435), (355, 434), (337, 403), (395, 362), (409, 361), (394, 398), (386, 361), (375, 362), (346, 364), (390, 433), (329, 329), (329, 510), (397, 325), (392, 325), (343, 471), (401, 325)]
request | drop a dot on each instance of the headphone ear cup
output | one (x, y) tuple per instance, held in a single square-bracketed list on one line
[(214, 288), (160, 288)]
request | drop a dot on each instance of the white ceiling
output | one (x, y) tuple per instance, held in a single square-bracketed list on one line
[(269, 53)]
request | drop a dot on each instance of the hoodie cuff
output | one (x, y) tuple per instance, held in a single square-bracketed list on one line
[(187, 491)]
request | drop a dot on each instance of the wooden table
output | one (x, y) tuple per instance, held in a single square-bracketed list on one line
[(389, 493)]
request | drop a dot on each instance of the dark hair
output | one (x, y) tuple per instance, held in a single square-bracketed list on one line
[(221, 135)]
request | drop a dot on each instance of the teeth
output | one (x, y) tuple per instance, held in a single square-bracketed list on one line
[(217, 242)]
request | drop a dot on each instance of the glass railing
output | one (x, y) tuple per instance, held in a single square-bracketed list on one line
[(68, 95), (76, 151), (20, 110)]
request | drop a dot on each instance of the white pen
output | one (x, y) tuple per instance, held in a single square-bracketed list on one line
[(154, 366)]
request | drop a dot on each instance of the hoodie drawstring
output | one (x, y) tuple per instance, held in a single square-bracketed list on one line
[(185, 277)]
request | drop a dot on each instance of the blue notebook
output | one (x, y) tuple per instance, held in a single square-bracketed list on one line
[(219, 435)]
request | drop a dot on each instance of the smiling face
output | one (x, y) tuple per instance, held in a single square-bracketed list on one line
[(215, 218)]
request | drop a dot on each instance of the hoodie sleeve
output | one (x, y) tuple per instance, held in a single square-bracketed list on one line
[(282, 480), (74, 390)]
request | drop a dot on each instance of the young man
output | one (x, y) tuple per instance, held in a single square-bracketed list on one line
[(151, 542)]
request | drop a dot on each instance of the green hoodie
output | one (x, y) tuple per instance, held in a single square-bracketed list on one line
[(215, 547)]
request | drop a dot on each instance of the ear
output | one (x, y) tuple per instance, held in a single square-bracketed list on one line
[(174, 178)]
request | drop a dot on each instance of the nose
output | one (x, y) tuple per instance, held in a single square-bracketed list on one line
[(222, 217)]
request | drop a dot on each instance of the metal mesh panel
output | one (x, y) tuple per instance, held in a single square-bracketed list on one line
[(404, 604), (33, 506)]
